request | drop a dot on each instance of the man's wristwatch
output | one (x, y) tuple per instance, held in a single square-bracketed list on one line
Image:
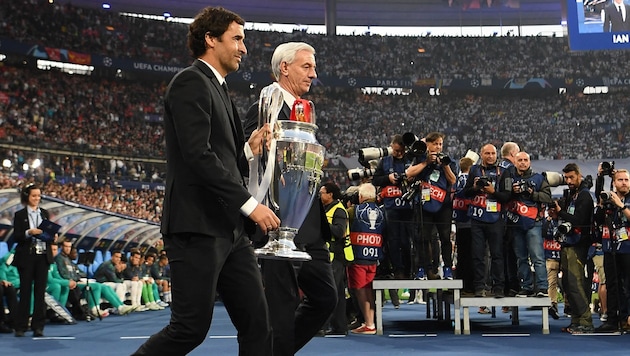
[(624, 208)]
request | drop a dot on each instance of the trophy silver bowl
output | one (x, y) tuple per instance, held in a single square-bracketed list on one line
[(289, 182)]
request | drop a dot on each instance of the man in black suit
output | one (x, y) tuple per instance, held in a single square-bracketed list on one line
[(295, 322), (207, 209), (616, 17)]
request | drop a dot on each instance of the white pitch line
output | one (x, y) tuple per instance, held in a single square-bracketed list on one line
[(505, 335), (134, 337), (412, 335), (598, 334), (54, 338), (222, 337)]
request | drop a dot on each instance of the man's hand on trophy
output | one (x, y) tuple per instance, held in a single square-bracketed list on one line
[(259, 137), (265, 218)]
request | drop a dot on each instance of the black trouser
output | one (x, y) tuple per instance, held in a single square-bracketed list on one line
[(338, 319), (617, 269), (295, 322), (201, 266), (464, 269), (441, 221), (33, 277), (492, 234)]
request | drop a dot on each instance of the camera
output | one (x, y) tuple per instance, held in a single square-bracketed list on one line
[(562, 230), (483, 181), (523, 185), (605, 196), (554, 178), (360, 173), (444, 159), (414, 147), (565, 227), (608, 168), (369, 153), (350, 195)]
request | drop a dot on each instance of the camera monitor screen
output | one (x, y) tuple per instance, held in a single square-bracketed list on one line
[(598, 24)]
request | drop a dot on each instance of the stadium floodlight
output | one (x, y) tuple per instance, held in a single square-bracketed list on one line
[(107, 6)]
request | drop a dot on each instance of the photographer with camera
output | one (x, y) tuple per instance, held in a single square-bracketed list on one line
[(613, 214), (390, 178), (526, 191), (487, 224), (437, 175), (575, 214)]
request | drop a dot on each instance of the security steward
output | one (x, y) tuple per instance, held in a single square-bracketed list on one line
[(340, 253)]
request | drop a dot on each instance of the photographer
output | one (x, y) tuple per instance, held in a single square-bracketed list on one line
[(390, 177), (575, 213), (437, 177), (526, 191), (613, 214), (487, 225)]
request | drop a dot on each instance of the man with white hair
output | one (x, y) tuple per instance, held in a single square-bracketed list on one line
[(296, 321)]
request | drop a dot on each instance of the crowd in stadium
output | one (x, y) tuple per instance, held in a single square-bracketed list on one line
[(104, 32), (96, 115)]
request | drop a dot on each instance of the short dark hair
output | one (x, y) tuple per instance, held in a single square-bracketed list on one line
[(571, 167), (433, 136), (397, 139), (334, 189), (211, 21)]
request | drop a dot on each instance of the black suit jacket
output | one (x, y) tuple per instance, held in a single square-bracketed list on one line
[(315, 230), (613, 20), (204, 143), (23, 249)]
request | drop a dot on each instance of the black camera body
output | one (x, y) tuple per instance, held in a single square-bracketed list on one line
[(523, 185), (483, 181), (444, 159), (608, 168)]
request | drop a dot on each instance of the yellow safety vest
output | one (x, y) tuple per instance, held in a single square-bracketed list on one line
[(347, 247)]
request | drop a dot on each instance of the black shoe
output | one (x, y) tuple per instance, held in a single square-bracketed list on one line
[(525, 293), (19, 333), (542, 293), (553, 312), (568, 329), (336, 333), (582, 329), (38, 333), (607, 327), (498, 293), (480, 293)]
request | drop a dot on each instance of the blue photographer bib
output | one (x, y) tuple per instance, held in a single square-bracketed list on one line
[(366, 232)]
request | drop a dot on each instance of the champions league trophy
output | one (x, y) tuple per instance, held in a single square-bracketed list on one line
[(286, 177)]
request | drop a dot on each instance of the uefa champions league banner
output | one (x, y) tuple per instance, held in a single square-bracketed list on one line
[(264, 78)]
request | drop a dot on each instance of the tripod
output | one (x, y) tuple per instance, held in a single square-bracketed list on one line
[(86, 259)]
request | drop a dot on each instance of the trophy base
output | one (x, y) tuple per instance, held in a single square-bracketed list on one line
[(275, 250)]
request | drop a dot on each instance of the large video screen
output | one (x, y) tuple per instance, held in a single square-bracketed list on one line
[(598, 24)]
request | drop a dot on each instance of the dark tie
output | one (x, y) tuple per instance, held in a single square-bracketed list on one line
[(225, 89), (618, 8)]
